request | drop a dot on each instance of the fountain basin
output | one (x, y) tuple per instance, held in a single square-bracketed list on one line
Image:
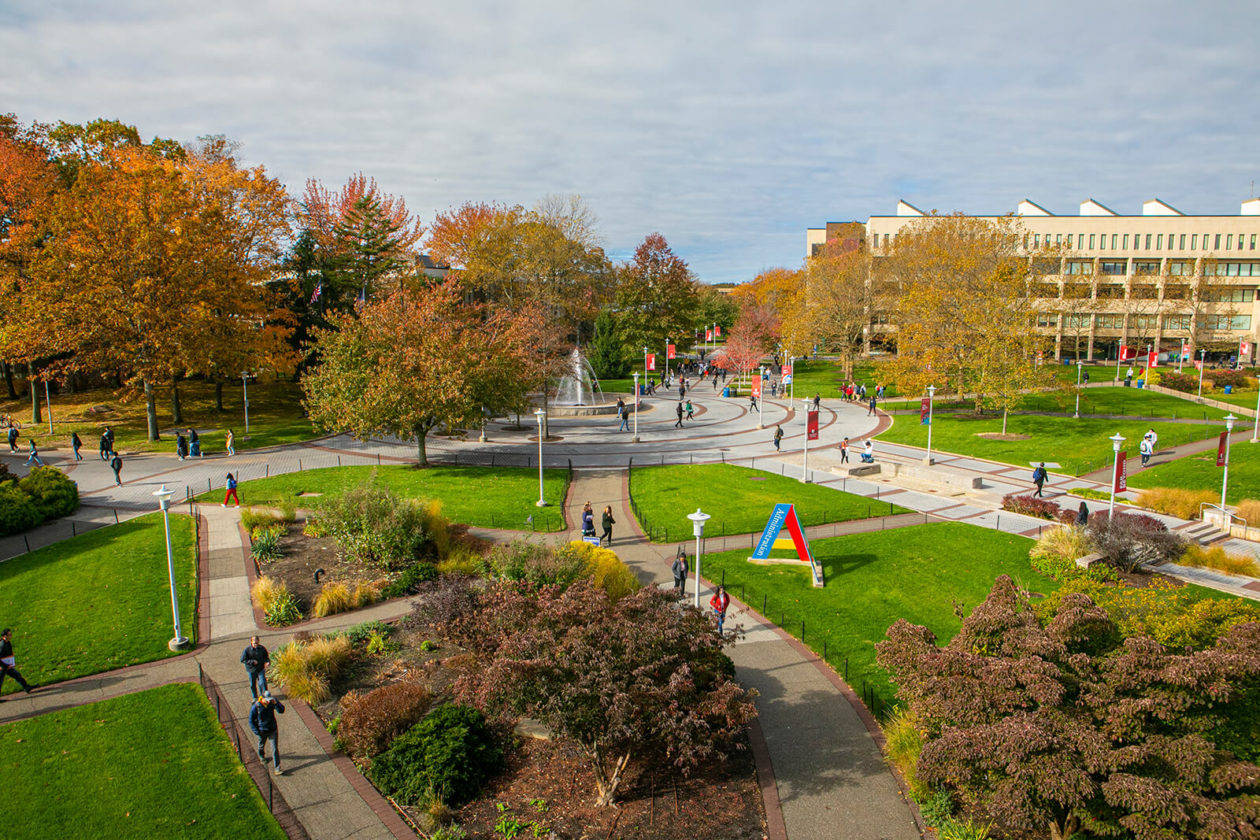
[(589, 410)]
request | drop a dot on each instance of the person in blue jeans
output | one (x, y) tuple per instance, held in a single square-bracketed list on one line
[(34, 456), (262, 722), (255, 659)]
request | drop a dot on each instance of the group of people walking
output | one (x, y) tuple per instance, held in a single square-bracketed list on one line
[(719, 603), (606, 523), (263, 711)]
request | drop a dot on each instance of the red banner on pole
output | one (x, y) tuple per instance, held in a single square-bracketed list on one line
[(1220, 450), (1152, 359), (1198, 364), (669, 351), (1244, 349), (925, 405), (718, 329), (811, 426), (651, 361), (1126, 353), (756, 385), (787, 369), (708, 335), (1120, 483)]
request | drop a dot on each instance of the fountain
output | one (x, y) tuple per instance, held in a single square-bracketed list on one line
[(578, 393)]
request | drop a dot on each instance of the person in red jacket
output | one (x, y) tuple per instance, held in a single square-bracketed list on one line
[(719, 602)]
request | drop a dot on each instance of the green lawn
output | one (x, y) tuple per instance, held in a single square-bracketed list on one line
[(275, 417), (98, 601), (151, 764), (916, 573), (739, 499), (1245, 398), (1199, 472), (1133, 402), (824, 377), (1080, 446), (491, 497)]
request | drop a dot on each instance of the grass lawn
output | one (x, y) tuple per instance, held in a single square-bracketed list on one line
[(916, 573), (825, 377), (740, 500), (492, 497), (1133, 402), (98, 601), (1245, 397), (1080, 446), (1199, 472), (151, 764), (275, 417)]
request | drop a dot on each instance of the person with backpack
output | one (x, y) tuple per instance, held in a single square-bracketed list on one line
[(844, 451), (623, 415), (1146, 450), (262, 722), (678, 423), (104, 446), (231, 491), (778, 437), (691, 412), (679, 568), (194, 443), (607, 522), (8, 662), (1039, 478), (870, 406), (115, 464), (76, 443), (13, 437), (720, 602), (181, 446)]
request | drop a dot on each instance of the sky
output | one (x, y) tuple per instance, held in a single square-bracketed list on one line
[(728, 127)]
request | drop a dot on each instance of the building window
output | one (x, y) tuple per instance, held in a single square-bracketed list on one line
[(1047, 319), (1237, 269), (1225, 322), (1176, 291), (1229, 294), (1143, 322), (1253, 242), (1125, 241), (1240, 241), (1159, 241), (1112, 267), (1148, 241), (1069, 242), (1144, 291), (1180, 268), (1115, 238), (1146, 267), (1194, 242), (1091, 240), (1109, 321), (1217, 246), (1078, 267), (1229, 241), (1177, 322), (1182, 244)]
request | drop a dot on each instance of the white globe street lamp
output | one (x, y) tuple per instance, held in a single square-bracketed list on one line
[(635, 439), (1229, 427), (697, 527), (164, 499), (931, 394), (542, 425)]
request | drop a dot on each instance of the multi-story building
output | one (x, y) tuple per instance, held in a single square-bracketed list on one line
[(1160, 280)]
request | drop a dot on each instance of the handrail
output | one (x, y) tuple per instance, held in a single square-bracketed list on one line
[(1232, 516)]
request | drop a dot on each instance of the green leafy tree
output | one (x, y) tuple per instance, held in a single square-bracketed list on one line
[(605, 352), (656, 299)]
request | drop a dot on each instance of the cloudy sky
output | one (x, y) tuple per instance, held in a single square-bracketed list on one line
[(730, 127)]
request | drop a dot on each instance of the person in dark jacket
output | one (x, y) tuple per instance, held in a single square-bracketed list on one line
[(13, 436), (108, 434), (104, 446), (194, 443), (607, 522), (1039, 478), (588, 520), (678, 423), (679, 568), (181, 446), (778, 437), (255, 659), (1082, 516), (76, 443), (115, 464), (262, 722), (8, 664)]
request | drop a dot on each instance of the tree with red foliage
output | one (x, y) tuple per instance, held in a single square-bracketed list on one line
[(1068, 727)]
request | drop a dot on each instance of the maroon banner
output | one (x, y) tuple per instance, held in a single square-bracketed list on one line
[(1126, 353), (718, 330), (651, 361), (1220, 450), (669, 351), (1120, 481), (925, 405), (756, 384), (1152, 359), (811, 426)]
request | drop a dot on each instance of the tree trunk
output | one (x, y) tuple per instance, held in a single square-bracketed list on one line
[(218, 395), (8, 380), (177, 415), (1003, 421), (422, 457), (36, 417), (607, 780), (150, 410)]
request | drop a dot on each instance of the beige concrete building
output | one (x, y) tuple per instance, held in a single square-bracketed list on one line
[(1159, 280)]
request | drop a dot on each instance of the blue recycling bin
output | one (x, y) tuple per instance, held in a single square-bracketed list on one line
[(726, 392), (1229, 389), (1140, 382)]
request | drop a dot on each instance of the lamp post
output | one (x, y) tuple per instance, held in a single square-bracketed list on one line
[(1080, 368), (792, 384), (245, 396), (164, 499), (48, 405), (1202, 365), (1229, 427), (542, 425), (697, 527), (645, 367), (805, 467), (668, 342), (636, 407), (1116, 440), (761, 369), (931, 394), (1255, 430)]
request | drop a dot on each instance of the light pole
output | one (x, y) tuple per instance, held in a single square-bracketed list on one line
[(636, 407), (792, 384), (761, 401), (931, 394), (245, 395), (1255, 430), (1202, 365), (48, 405), (542, 425), (805, 468), (645, 367), (1080, 367), (1116, 440), (668, 342), (697, 527), (1229, 427), (164, 499)]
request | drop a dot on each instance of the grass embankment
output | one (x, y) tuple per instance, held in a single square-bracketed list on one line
[(151, 764), (739, 499), (917, 573), (275, 417), (1079, 445), (490, 497), (100, 600)]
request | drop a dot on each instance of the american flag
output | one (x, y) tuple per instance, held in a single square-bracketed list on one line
[(319, 291)]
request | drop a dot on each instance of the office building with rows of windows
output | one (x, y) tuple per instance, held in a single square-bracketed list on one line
[(1160, 280)]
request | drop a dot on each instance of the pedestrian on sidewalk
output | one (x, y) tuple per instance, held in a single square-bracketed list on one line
[(262, 721), (231, 443), (181, 446), (116, 465), (607, 521), (194, 443), (1039, 478), (1085, 376), (691, 411), (34, 456), (104, 446), (844, 451), (817, 401), (778, 437), (752, 402), (109, 436), (679, 568), (256, 658), (231, 491), (8, 662), (719, 602), (623, 416), (76, 443), (588, 520), (1145, 449), (13, 436), (870, 407), (1153, 438), (1082, 516), (678, 423)]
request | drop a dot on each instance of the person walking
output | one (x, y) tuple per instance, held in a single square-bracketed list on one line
[(262, 721), (752, 401), (607, 522), (115, 464), (623, 416), (1039, 478), (8, 662), (588, 520), (181, 446), (255, 658), (104, 446), (13, 436), (817, 401), (679, 568), (778, 437), (230, 440), (194, 443), (870, 406), (34, 456), (1082, 516), (109, 438), (691, 411), (844, 451), (720, 602), (678, 423), (76, 443), (1153, 438), (231, 491), (1145, 449)]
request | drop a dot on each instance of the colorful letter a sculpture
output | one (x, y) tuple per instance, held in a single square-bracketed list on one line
[(784, 515)]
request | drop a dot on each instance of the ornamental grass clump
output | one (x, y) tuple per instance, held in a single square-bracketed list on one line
[(371, 525), (1176, 501), (1249, 510), (306, 669), (1057, 550), (1215, 557)]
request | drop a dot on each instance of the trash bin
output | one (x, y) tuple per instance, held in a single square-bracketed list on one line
[(1229, 389), (1140, 382), (726, 392)]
